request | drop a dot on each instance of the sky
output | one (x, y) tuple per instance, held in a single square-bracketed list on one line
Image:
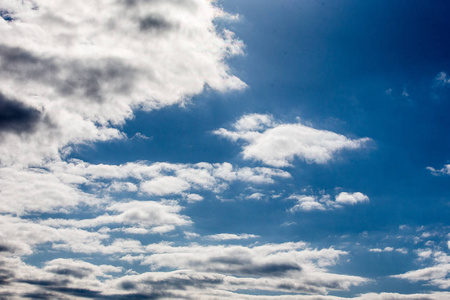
[(230, 149)]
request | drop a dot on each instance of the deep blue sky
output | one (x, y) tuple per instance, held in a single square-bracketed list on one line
[(330, 63)]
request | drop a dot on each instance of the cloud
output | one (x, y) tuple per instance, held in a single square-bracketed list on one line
[(389, 249), (287, 267), (70, 278), (165, 185), (78, 268), (160, 179), (16, 117), (26, 190), (59, 186), (351, 199), (443, 171), (436, 274), (20, 236), (442, 79), (86, 70), (142, 213), (277, 144), (324, 201), (231, 236)]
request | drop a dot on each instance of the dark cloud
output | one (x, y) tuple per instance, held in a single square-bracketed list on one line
[(160, 288), (154, 23), (229, 260), (127, 285), (77, 273), (16, 117), (302, 288), (40, 295), (5, 248), (329, 284), (79, 292), (89, 79), (5, 276), (182, 283), (149, 296), (24, 65), (245, 266), (44, 283), (272, 269)]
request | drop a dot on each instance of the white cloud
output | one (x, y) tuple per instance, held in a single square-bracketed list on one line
[(255, 196), (231, 236), (20, 236), (165, 185), (436, 274), (82, 70), (324, 202), (442, 79), (443, 171), (287, 267), (306, 203), (278, 144), (354, 198), (39, 190), (390, 249), (191, 198), (142, 213), (254, 122), (64, 186)]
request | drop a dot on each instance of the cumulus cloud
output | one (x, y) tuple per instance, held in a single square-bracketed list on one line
[(72, 73), (353, 198), (25, 190), (325, 202), (160, 179), (63, 186), (277, 144)]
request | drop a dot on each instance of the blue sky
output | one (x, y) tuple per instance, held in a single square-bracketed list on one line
[(224, 150)]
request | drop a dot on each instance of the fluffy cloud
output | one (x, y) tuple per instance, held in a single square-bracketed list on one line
[(354, 198), (63, 186), (324, 201), (73, 72), (160, 179), (277, 144), (20, 237), (36, 189)]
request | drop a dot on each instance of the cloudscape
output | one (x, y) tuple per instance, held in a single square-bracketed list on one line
[(229, 149)]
